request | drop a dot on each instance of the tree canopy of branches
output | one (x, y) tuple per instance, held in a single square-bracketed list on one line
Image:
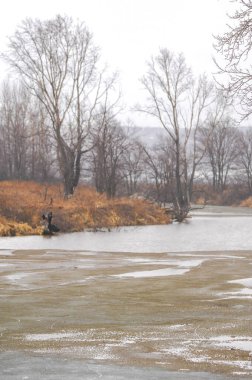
[(222, 152), (133, 165), (26, 150), (58, 63), (235, 47), (110, 144), (177, 100), (245, 156)]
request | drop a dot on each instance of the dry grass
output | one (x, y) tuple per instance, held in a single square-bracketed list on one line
[(23, 203), (247, 202)]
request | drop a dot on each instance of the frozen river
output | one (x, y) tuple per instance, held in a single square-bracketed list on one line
[(154, 302)]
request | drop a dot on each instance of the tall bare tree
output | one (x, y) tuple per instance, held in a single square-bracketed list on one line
[(178, 101), (235, 47), (14, 111), (58, 62), (27, 151)]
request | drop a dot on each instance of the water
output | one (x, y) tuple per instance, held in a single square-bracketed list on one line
[(211, 229), (146, 302), (58, 369)]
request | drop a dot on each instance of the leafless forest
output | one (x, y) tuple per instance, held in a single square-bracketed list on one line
[(60, 118)]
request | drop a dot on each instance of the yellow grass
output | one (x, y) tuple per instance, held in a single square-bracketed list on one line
[(247, 202), (23, 203)]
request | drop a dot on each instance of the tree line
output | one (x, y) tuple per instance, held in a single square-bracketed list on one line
[(59, 118)]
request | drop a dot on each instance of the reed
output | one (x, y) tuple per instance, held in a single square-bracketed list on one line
[(22, 204)]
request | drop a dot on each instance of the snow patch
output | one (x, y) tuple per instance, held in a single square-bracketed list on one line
[(243, 281), (181, 267), (153, 273), (6, 252), (5, 265), (52, 336), (237, 343), (18, 276)]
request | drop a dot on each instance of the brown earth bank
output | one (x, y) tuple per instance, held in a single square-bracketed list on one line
[(22, 204)]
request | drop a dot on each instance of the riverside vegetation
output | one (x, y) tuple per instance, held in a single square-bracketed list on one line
[(22, 204)]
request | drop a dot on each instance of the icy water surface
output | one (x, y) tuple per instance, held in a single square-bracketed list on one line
[(170, 304), (210, 229)]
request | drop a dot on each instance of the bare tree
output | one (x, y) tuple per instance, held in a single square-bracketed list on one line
[(15, 102), (245, 155), (160, 169), (133, 165), (109, 146), (154, 172), (178, 101), (221, 151), (42, 153), (58, 62), (235, 47), (25, 142), (219, 139)]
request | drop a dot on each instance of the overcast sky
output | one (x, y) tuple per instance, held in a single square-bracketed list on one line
[(129, 32)]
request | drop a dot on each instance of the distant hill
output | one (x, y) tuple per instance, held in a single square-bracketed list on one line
[(151, 135), (148, 135)]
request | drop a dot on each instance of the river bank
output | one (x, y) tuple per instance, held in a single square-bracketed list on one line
[(22, 205), (213, 228)]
